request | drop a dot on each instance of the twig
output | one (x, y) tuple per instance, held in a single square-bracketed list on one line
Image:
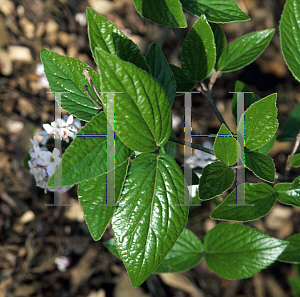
[(288, 162), (85, 88), (193, 145), (86, 73), (180, 39), (213, 79), (207, 93)]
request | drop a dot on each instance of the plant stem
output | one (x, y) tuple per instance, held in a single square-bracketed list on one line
[(85, 88), (288, 161), (180, 39), (86, 73), (208, 94), (193, 145)]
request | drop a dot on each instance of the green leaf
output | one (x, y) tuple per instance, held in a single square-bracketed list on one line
[(268, 146), (289, 193), (64, 75), (216, 178), (218, 11), (295, 286), (170, 148), (225, 146), (195, 178), (292, 253), (261, 196), (260, 122), (183, 82), (143, 117), (289, 36), (292, 126), (107, 36), (198, 54), (153, 215), (250, 98), (234, 251), (246, 49), (295, 161), (167, 13), (86, 157), (185, 254), (161, 71), (93, 197), (221, 45), (261, 165)]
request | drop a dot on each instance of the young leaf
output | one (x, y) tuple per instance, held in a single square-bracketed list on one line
[(216, 178), (107, 36), (161, 71), (250, 98), (64, 75), (198, 54), (260, 122), (152, 217), (261, 165), (167, 13), (86, 157), (289, 36), (225, 146), (262, 196), (289, 193), (234, 251), (93, 199), (295, 161), (185, 254), (292, 126), (218, 11), (246, 49), (268, 146), (183, 83), (221, 45), (292, 253), (143, 117)]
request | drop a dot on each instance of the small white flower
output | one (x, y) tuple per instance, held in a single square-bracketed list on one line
[(62, 263), (49, 160)]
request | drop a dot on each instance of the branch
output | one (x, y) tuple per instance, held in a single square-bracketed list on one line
[(85, 88), (207, 93), (86, 73), (288, 162), (193, 145)]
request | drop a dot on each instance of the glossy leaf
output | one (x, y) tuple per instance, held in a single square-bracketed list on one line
[(170, 148), (167, 13), (198, 54), (261, 165), (107, 36), (289, 193), (86, 156), (246, 49), (185, 254), (261, 196), (143, 117), (292, 253), (292, 126), (225, 146), (235, 251), (216, 178), (111, 245), (218, 11), (249, 98), (289, 36), (153, 215), (64, 75), (183, 82), (92, 196), (268, 146), (221, 45), (161, 71), (260, 122), (295, 161)]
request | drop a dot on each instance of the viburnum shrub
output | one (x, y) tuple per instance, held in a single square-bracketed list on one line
[(127, 110)]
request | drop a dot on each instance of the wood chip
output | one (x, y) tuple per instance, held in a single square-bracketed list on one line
[(27, 27), (7, 7), (6, 67), (19, 53)]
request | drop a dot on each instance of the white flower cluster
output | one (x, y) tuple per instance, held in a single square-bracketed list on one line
[(43, 162)]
